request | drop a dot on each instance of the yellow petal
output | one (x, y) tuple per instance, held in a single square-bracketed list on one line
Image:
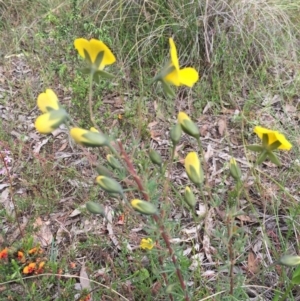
[(285, 144), (88, 138), (173, 53), (188, 76), (173, 78), (93, 48), (97, 46), (146, 244), (46, 123), (77, 135), (182, 117), (193, 168), (47, 101)]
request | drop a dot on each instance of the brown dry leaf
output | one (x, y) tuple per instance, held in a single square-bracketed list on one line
[(253, 262), (244, 218), (84, 278), (222, 126), (290, 109), (152, 124), (43, 236), (209, 226)]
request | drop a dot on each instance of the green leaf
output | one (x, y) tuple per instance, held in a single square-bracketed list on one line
[(167, 89), (265, 140), (255, 148), (100, 74), (262, 157), (273, 158)]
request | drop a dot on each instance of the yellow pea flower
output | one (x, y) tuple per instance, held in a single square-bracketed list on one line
[(48, 101), (186, 76), (95, 52), (88, 138), (48, 122), (193, 168), (273, 137), (146, 243)]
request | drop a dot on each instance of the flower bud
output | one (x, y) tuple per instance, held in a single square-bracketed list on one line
[(175, 133), (113, 162), (187, 125), (189, 197), (193, 168), (94, 208), (143, 207), (103, 171), (88, 138), (109, 184), (235, 171), (155, 157), (290, 260)]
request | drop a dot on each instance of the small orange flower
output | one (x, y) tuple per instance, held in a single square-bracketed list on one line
[(72, 265), (4, 253), (40, 269), (86, 298), (29, 268), (33, 251)]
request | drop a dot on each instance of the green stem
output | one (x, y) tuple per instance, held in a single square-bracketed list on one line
[(283, 298), (91, 100)]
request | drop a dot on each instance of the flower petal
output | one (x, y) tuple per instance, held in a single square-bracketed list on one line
[(93, 48), (173, 53), (285, 144), (173, 78), (48, 101), (188, 76), (88, 138), (193, 168)]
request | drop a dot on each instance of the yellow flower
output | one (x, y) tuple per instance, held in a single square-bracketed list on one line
[(273, 136), (48, 101), (146, 244), (93, 50), (187, 125), (88, 138), (48, 122), (186, 76), (193, 168)]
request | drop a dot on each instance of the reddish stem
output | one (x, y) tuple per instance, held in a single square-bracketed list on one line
[(164, 235)]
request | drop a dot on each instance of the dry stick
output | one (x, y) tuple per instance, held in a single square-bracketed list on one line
[(11, 193), (164, 235)]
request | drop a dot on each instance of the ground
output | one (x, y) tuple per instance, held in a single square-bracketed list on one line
[(228, 248)]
